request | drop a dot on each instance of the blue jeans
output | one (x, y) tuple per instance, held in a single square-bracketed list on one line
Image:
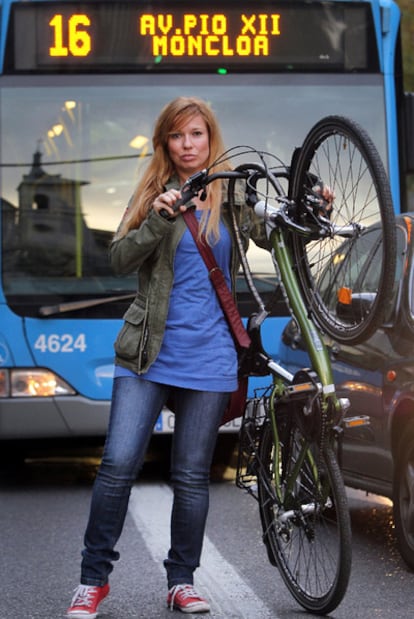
[(136, 404)]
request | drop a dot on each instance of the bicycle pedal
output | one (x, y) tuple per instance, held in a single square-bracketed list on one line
[(301, 389), (356, 422)]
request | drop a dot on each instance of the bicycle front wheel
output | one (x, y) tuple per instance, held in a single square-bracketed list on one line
[(305, 518), (347, 276)]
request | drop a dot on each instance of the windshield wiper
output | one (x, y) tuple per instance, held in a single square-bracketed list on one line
[(73, 306)]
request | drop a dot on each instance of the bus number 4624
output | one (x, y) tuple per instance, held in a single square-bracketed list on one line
[(65, 342)]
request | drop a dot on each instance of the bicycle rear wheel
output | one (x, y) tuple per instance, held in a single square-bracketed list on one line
[(346, 278), (306, 524)]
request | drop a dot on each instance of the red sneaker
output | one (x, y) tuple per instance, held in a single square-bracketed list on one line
[(186, 599), (86, 600)]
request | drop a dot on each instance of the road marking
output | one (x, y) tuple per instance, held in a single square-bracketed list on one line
[(230, 596)]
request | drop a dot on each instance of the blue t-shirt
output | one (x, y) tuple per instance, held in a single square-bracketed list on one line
[(198, 350)]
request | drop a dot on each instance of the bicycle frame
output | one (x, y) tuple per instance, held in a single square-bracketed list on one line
[(318, 353)]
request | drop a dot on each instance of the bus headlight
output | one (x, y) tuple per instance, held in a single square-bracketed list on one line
[(32, 383)]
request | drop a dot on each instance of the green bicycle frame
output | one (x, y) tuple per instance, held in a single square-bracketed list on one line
[(316, 349)]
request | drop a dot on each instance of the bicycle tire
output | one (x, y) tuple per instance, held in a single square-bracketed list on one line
[(313, 550), (347, 283)]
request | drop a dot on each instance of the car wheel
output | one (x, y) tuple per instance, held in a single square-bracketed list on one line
[(403, 495)]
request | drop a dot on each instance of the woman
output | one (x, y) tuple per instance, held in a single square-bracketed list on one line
[(175, 345)]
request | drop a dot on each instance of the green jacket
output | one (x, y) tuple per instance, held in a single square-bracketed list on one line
[(150, 251)]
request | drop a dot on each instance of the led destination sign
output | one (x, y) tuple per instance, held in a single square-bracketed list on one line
[(130, 36), (210, 35), (168, 35)]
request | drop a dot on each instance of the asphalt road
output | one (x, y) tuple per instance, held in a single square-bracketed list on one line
[(44, 507)]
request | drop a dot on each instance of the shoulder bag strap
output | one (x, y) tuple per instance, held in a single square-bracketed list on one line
[(226, 299)]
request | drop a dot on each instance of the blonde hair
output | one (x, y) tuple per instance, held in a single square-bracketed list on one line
[(160, 168)]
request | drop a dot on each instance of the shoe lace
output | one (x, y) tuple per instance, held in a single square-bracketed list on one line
[(84, 596), (187, 591)]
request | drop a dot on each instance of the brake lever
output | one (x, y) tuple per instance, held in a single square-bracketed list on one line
[(192, 186)]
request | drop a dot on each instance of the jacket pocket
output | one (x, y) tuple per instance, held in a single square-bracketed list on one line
[(131, 340)]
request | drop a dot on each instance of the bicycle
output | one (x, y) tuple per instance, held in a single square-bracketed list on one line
[(291, 432)]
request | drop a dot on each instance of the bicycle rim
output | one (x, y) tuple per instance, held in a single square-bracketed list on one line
[(307, 529), (347, 281)]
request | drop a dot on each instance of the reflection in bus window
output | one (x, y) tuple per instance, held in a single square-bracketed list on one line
[(74, 155)]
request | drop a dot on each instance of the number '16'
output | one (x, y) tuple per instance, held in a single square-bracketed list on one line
[(71, 31)]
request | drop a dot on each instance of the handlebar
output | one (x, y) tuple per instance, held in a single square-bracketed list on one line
[(274, 216), (248, 172)]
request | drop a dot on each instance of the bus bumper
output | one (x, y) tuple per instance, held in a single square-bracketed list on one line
[(65, 417)]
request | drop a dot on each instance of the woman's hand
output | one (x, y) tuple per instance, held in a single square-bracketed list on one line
[(327, 198), (165, 202)]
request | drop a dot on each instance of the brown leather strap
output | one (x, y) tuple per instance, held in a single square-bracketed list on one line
[(226, 299)]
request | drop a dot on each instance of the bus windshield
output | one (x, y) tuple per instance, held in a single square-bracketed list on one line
[(73, 147)]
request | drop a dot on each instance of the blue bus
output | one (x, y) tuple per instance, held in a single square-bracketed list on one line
[(80, 86)]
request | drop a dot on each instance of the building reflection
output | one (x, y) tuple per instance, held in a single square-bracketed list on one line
[(46, 234)]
